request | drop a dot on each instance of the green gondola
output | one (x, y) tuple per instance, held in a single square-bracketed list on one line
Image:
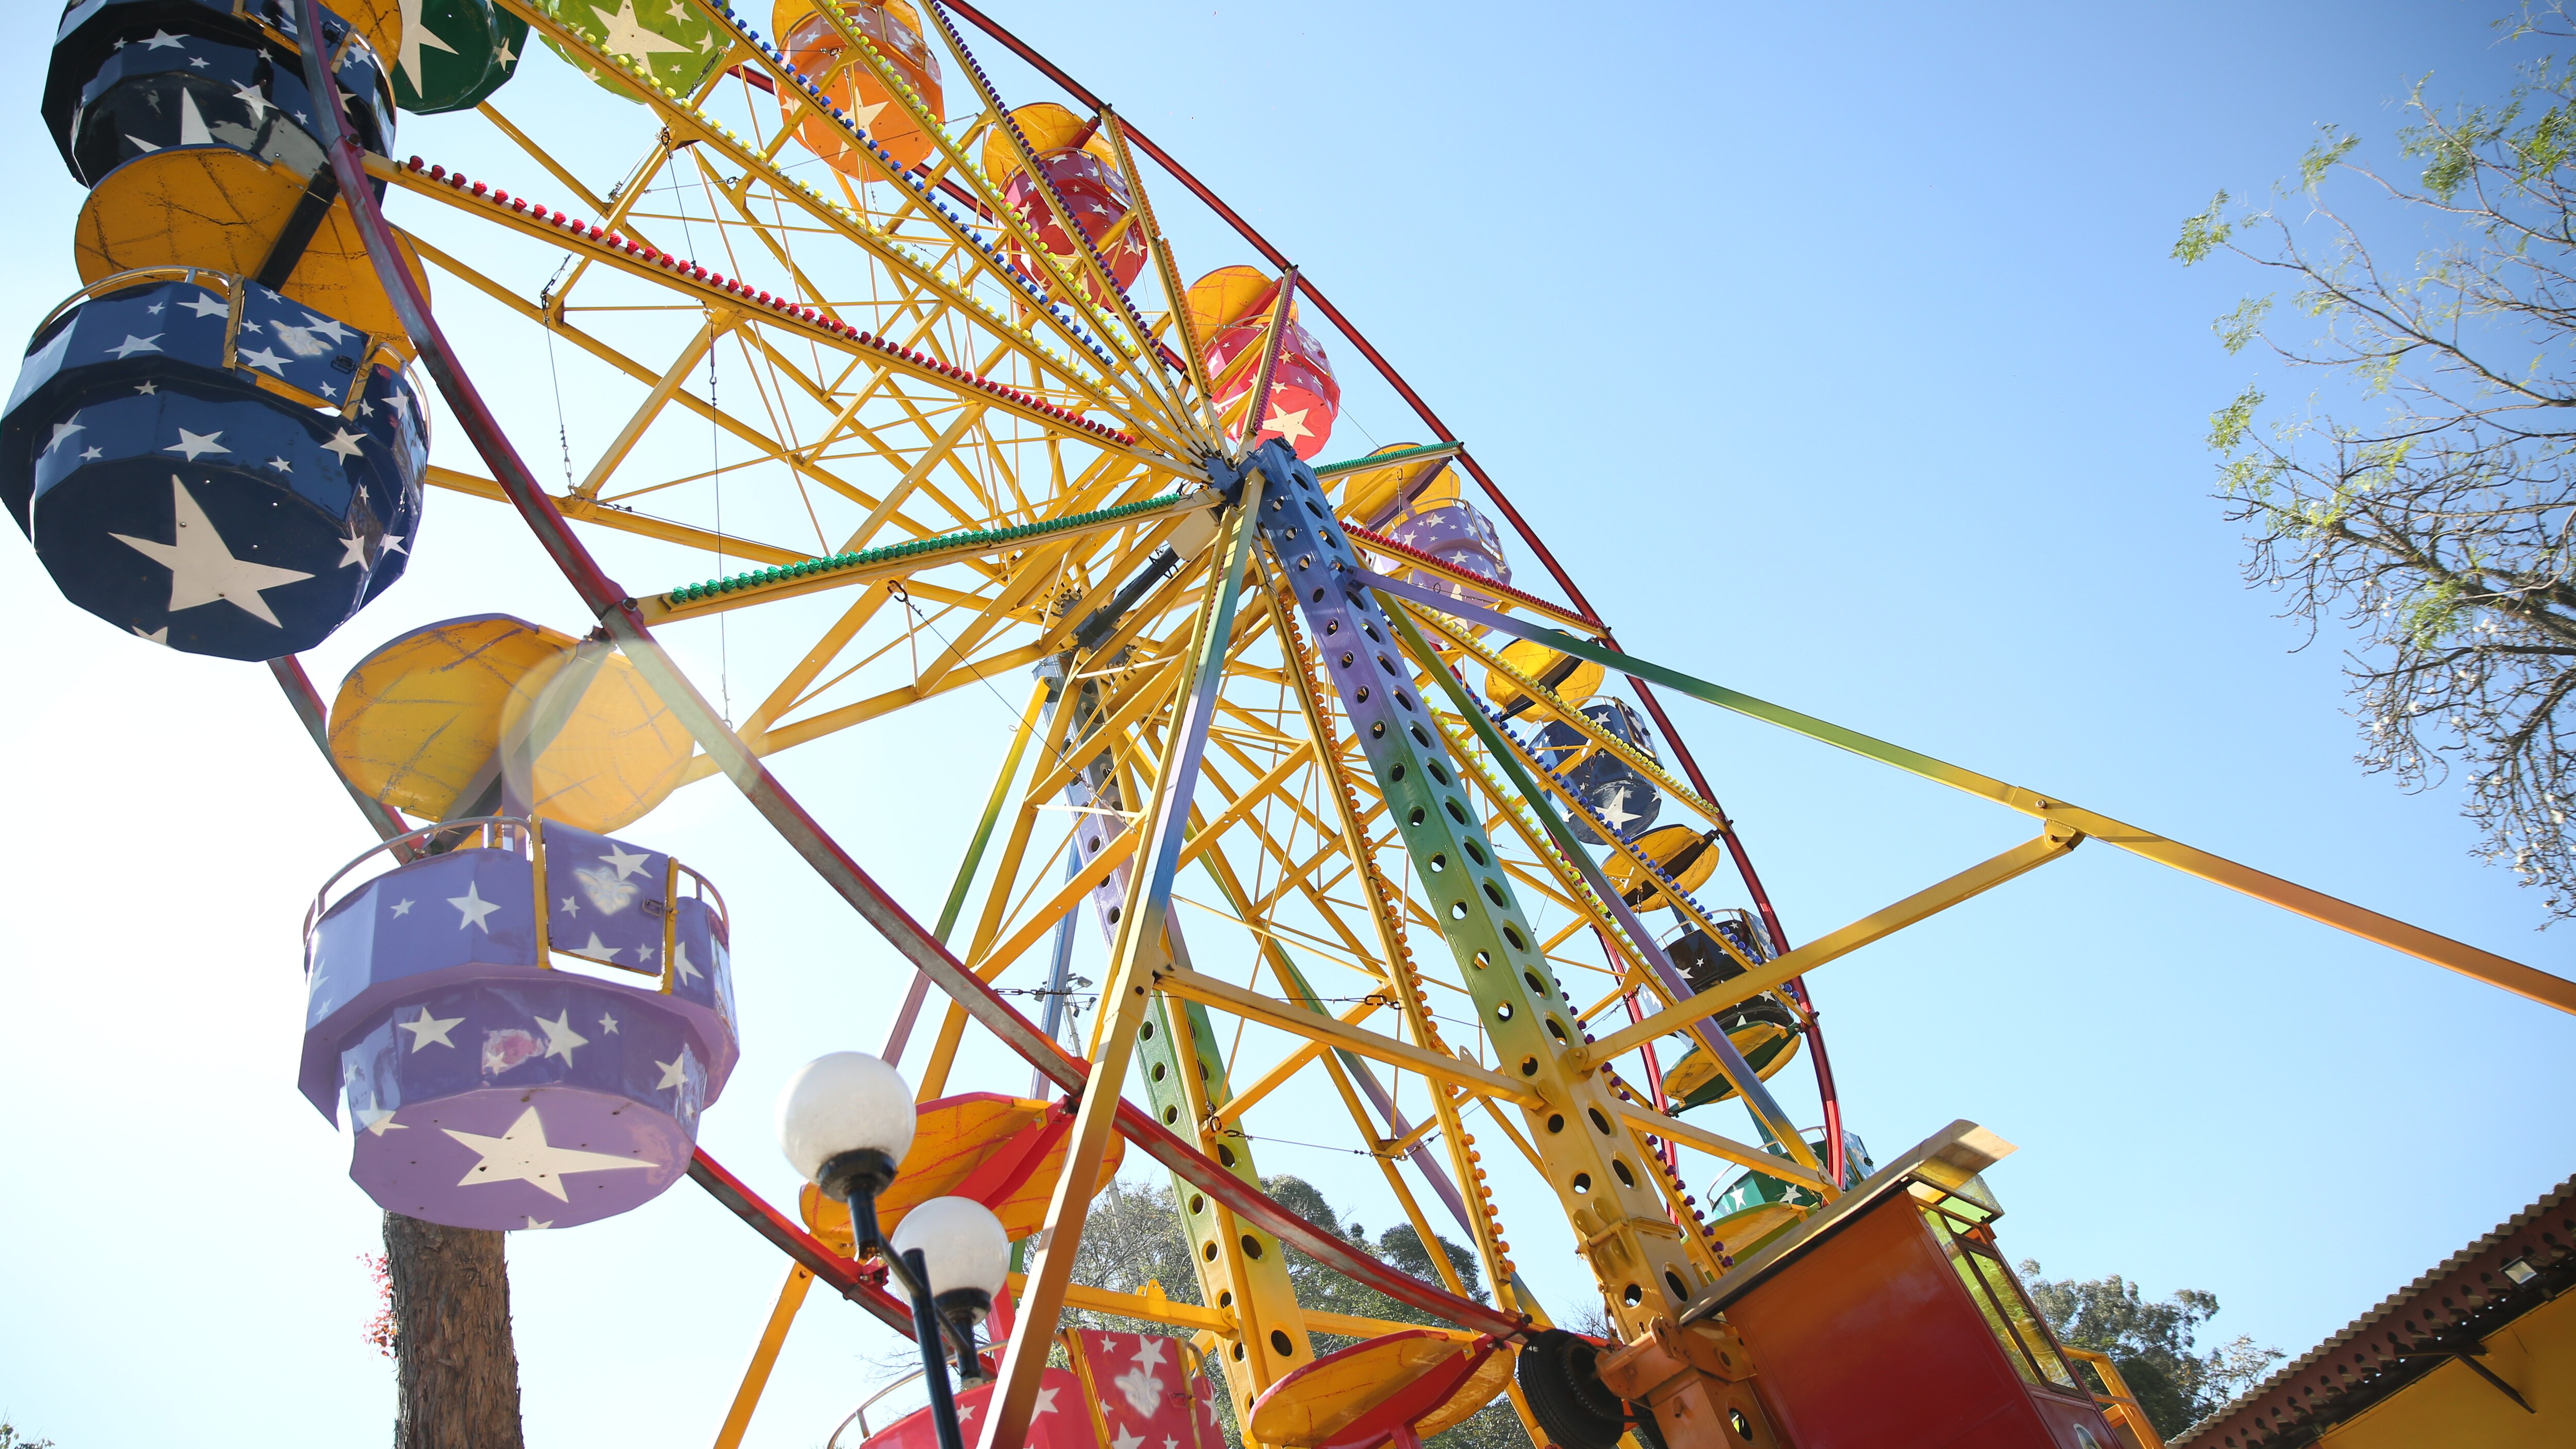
[(673, 40), (454, 53)]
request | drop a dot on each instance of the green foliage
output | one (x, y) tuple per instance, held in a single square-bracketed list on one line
[(2203, 233), (1134, 1234), (2425, 498), (10, 1439), (2151, 1343)]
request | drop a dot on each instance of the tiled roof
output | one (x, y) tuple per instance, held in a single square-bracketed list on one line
[(2411, 1332)]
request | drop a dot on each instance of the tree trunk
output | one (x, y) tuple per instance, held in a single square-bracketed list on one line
[(458, 1372)]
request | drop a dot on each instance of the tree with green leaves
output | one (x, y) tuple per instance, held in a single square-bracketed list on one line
[(2427, 499), (2152, 1344)]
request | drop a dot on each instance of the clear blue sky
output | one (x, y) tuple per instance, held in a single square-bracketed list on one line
[(1838, 354)]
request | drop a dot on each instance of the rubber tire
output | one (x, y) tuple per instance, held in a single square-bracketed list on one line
[(1558, 1376)]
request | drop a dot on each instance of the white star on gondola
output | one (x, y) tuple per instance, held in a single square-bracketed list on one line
[(504, 54), (596, 950), (133, 344), (148, 388), (430, 1030), (253, 97), (1291, 427), (196, 445), (344, 443), (522, 1154), (415, 35), (473, 908), (326, 327), (626, 862), (197, 62), (65, 430), (675, 1073), (1616, 811), (160, 636), (202, 569), (680, 963), (607, 1025), (571, 906), (866, 116), (1127, 1438), (206, 304), (275, 364), (534, 1225), (162, 40), (627, 35), (92, 455), (353, 550), (281, 465), (560, 1037), (192, 126), (403, 908), (377, 1121), (393, 543)]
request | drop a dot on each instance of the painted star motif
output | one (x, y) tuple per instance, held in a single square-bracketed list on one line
[(522, 1154), (504, 54), (275, 364), (607, 1025), (160, 636), (866, 116), (253, 97), (202, 569), (473, 908), (1616, 811), (196, 445), (281, 465), (572, 905), (675, 1073), (403, 908), (1127, 1439), (680, 962), (328, 390), (65, 430), (133, 344), (377, 1121), (1290, 426), (156, 308), (644, 954), (415, 36), (162, 40), (196, 62), (147, 388), (626, 862), (353, 550), (597, 950), (326, 327), (1149, 1350), (393, 543), (92, 455), (534, 1225), (1046, 1403), (344, 443), (627, 34), (561, 1038), (431, 1030)]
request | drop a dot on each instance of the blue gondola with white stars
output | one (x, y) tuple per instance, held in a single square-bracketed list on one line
[(132, 77), (210, 466)]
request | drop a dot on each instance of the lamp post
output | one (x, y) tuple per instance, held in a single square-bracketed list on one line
[(845, 1122)]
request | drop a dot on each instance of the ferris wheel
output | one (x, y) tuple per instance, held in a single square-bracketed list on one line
[(1335, 762)]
